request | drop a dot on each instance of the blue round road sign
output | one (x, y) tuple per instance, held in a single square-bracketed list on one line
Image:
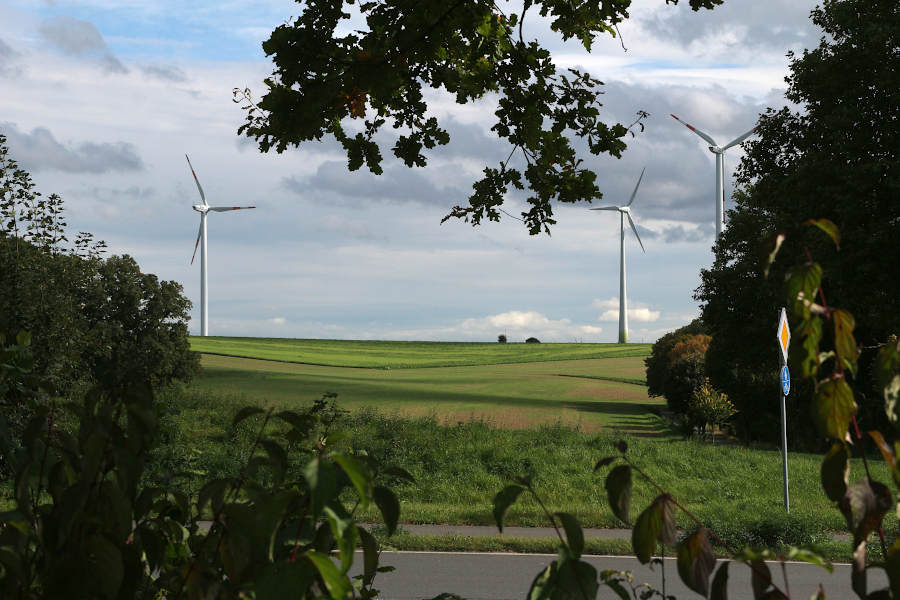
[(785, 380)]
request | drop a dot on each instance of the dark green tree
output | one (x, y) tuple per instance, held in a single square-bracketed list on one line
[(325, 77), (838, 157), (92, 319)]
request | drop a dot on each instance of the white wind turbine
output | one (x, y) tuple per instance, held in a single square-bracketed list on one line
[(624, 211), (719, 151), (203, 209)]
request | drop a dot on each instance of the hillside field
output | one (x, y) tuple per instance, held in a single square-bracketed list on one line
[(406, 355), (508, 385)]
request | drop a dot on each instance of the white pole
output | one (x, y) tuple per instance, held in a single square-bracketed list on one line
[(784, 466), (720, 191), (623, 309), (204, 297)]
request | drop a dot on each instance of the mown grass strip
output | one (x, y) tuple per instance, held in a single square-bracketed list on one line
[(377, 354), (603, 378)]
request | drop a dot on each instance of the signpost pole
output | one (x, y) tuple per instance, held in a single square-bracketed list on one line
[(784, 338), (787, 508)]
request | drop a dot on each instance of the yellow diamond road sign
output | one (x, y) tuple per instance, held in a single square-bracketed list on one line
[(784, 335)]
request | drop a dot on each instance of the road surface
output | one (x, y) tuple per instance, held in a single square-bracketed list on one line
[(501, 576)]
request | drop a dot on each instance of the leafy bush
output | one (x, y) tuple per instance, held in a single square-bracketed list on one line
[(709, 409), (501, 339), (532, 340), (88, 522)]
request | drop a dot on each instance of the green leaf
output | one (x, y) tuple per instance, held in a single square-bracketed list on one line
[(542, 586), (300, 421), (106, 566), (399, 473), (370, 555), (604, 461), (322, 481), (503, 500), (275, 578), (618, 490), (719, 589), (576, 579), (23, 338), (808, 556), (829, 228), (344, 531), (247, 411), (277, 456), (574, 534), (653, 525), (802, 284), (770, 248), (844, 342), (760, 577), (864, 506), (389, 506), (807, 352), (835, 472), (359, 475), (834, 407), (696, 561), (337, 583), (213, 493)]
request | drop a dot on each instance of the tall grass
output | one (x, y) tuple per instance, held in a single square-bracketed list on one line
[(460, 467)]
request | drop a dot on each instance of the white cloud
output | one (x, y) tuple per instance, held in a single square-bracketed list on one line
[(639, 313), (278, 321)]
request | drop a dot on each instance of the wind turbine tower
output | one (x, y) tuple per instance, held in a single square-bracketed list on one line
[(719, 151), (624, 211), (203, 208)]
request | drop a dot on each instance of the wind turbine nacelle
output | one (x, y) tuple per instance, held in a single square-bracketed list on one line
[(200, 208), (715, 149), (625, 209)]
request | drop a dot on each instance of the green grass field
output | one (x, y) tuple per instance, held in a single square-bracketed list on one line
[(465, 418), (581, 393), (406, 355)]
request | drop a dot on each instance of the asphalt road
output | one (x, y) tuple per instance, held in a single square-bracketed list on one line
[(501, 576)]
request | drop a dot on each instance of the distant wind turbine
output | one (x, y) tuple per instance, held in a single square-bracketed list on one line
[(624, 211), (719, 151), (203, 209)]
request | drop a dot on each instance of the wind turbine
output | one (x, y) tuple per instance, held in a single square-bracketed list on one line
[(719, 151), (204, 209), (624, 211)]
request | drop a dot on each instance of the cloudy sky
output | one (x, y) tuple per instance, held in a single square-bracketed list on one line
[(101, 99)]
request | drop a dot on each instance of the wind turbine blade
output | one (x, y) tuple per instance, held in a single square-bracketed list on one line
[(739, 139), (227, 208), (606, 208), (202, 195), (634, 193), (634, 229), (197, 243), (695, 130)]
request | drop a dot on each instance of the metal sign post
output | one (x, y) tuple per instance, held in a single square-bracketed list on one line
[(784, 340)]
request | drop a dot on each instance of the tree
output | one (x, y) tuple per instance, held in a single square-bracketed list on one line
[(501, 339), (837, 158), (351, 85), (91, 319), (660, 360)]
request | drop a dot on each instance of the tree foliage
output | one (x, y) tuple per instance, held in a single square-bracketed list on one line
[(676, 365), (351, 79), (837, 158), (91, 318)]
